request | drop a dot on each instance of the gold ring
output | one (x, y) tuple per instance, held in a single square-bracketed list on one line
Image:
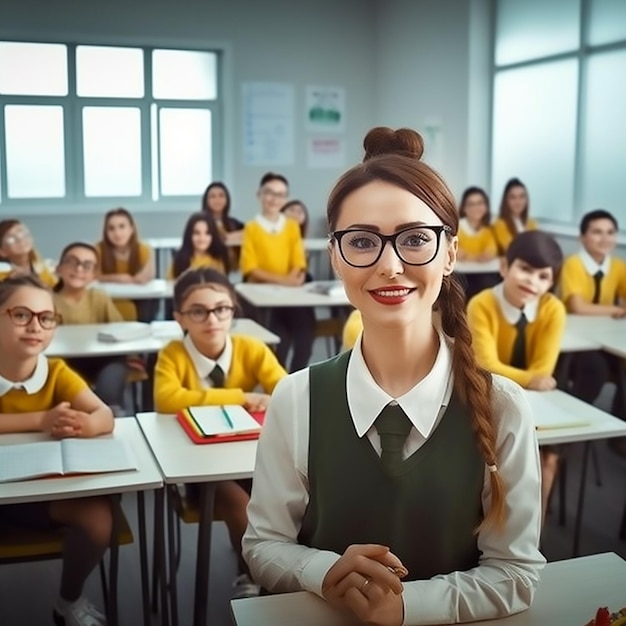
[(364, 584)]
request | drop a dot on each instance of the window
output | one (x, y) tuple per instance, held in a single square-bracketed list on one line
[(79, 123), (558, 103)]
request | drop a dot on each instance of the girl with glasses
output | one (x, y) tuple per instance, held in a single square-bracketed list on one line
[(78, 303), (41, 394), (399, 480), (212, 367), (18, 251)]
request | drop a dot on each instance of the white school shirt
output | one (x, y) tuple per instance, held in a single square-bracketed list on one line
[(31, 385), (591, 266), (507, 574), (272, 227), (512, 313), (204, 365)]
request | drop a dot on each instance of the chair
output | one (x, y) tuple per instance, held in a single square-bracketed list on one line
[(330, 329), (19, 545)]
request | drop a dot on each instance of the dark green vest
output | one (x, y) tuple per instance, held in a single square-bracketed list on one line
[(427, 516)]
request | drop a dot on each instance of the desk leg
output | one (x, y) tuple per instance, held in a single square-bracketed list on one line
[(114, 554), (143, 557), (203, 556), (171, 554), (581, 499), (160, 571)]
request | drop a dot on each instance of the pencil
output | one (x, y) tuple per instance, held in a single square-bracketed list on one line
[(227, 418)]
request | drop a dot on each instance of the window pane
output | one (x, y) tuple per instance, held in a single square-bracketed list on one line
[(534, 133), (535, 28), (33, 69), (604, 136), (35, 151), (184, 151), (112, 151), (109, 72), (608, 21), (184, 75)]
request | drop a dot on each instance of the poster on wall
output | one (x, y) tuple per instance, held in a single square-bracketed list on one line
[(325, 109), (326, 152), (268, 124)]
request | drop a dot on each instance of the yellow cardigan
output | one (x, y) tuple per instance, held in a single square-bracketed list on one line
[(493, 337), (503, 235), (483, 242), (198, 261), (177, 386), (351, 329)]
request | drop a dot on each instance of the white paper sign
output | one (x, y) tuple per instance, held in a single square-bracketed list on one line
[(326, 152), (326, 109)]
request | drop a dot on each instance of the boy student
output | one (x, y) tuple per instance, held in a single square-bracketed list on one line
[(517, 325), (594, 283), (272, 252)]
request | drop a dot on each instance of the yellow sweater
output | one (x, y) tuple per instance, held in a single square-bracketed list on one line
[(503, 235), (121, 265), (279, 253), (40, 270), (197, 261), (177, 386), (483, 242), (351, 329), (576, 281), (493, 337), (62, 385), (94, 307)]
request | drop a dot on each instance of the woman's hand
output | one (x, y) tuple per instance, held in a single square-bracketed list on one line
[(364, 581)]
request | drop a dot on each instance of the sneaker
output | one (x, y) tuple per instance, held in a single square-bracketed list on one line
[(79, 613), (243, 587)]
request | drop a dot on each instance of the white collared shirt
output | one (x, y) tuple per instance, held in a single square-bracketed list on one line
[(31, 385), (591, 266), (272, 227), (467, 227), (520, 227), (204, 365), (512, 313), (507, 574)]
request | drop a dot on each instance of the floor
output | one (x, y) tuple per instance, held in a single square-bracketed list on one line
[(21, 584)]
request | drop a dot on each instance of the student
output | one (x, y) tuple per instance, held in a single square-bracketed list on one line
[(457, 504), (125, 259), (17, 249), (593, 282), (202, 246), (272, 252), (41, 394), (517, 325), (476, 240), (513, 215), (351, 330), (216, 202), (296, 210), (78, 304), (209, 366)]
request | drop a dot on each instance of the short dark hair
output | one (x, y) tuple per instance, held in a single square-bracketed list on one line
[(270, 176), (592, 216), (538, 249), (192, 279)]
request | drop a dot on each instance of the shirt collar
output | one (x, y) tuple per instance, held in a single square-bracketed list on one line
[(31, 385), (465, 226), (512, 313), (421, 404), (519, 225), (272, 227), (591, 266), (203, 364)]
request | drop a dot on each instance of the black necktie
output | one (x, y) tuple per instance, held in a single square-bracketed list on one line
[(393, 427), (518, 356), (597, 286), (217, 376)]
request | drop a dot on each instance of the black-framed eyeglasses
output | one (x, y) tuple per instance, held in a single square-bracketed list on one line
[(23, 316), (416, 245), (199, 314), (76, 263)]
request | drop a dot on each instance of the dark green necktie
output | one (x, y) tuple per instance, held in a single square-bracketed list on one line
[(217, 376), (597, 286), (393, 427), (518, 356)]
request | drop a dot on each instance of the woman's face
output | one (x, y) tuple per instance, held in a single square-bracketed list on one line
[(296, 212), (119, 231), (200, 237), (17, 242), (517, 200), (475, 208), (77, 268), (216, 201), (391, 292)]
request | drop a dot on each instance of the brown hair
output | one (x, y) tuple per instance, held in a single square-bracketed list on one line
[(194, 279), (5, 227), (394, 157), (108, 261), (505, 210), (9, 286)]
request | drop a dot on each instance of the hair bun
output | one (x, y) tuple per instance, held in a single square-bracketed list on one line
[(384, 140)]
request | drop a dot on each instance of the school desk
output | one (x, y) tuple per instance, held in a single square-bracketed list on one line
[(156, 289), (474, 267), (569, 594), (182, 461), (147, 476)]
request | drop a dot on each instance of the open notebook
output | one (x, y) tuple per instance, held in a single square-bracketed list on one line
[(223, 421), (68, 456)]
